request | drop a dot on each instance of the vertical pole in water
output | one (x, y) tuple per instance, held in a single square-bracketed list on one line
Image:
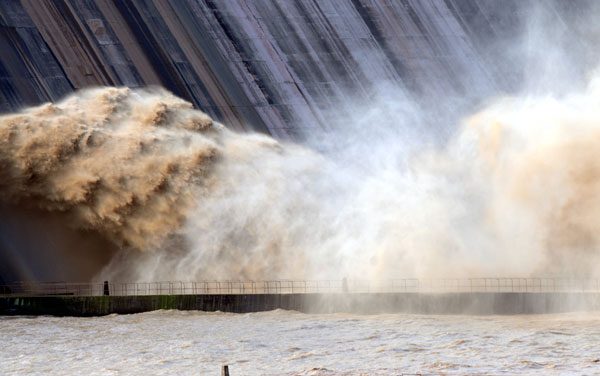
[(225, 371)]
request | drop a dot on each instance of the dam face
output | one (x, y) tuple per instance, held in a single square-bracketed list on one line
[(274, 66), (286, 69)]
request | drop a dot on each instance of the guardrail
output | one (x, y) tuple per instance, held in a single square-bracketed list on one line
[(305, 287)]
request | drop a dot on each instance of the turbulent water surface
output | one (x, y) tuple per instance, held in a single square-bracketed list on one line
[(281, 342)]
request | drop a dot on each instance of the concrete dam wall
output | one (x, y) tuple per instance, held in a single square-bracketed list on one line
[(304, 71), (272, 66), (366, 303)]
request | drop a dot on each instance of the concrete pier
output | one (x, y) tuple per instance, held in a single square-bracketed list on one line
[(482, 303)]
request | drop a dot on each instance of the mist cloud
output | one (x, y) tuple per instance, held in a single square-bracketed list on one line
[(513, 193)]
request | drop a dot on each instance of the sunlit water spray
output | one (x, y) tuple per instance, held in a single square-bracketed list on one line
[(180, 197)]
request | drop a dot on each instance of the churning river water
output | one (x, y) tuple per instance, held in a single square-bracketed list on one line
[(290, 343)]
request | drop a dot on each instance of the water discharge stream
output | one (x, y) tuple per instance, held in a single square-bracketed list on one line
[(173, 195)]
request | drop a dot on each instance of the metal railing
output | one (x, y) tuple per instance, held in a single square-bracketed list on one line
[(305, 287)]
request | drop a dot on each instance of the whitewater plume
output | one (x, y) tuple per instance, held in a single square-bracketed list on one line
[(540, 168), (180, 197), (121, 163), (132, 165)]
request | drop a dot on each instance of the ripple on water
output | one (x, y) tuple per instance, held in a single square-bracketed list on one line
[(292, 343)]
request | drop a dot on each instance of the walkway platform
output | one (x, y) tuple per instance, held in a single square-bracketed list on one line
[(474, 297)]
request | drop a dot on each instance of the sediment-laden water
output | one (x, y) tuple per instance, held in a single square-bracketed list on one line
[(290, 343)]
